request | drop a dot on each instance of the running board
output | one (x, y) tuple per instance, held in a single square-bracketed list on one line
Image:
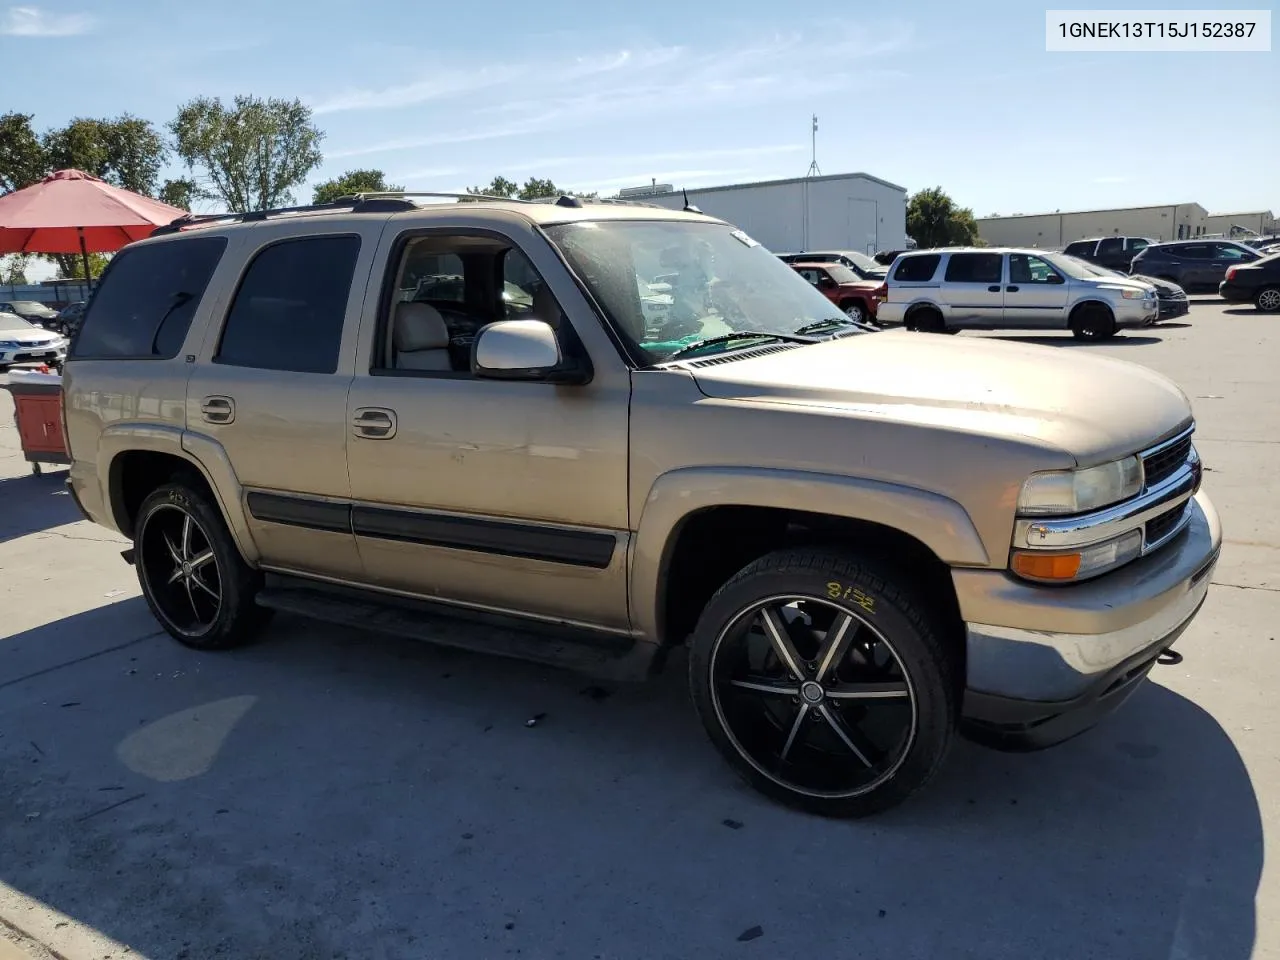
[(599, 655)]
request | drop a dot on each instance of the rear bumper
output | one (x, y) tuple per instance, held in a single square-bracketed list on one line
[(1234, 293), (1046, 663)]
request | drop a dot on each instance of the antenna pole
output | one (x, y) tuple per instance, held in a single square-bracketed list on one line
[(813, 142)]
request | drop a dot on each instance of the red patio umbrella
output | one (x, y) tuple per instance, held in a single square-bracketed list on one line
[(70, 211)]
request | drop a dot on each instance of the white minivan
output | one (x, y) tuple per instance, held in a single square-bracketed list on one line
[(985, 288)]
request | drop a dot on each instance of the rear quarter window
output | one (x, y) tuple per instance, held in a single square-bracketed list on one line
[(147, 298), (917, 269), (1081, 248)]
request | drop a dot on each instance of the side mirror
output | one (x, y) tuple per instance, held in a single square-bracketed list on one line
[(826, 283), (523, 350), (1054, 278)]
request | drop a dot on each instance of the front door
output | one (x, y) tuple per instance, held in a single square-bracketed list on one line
[(499, 495), (973, 289), (1035, 296), (270, 389)]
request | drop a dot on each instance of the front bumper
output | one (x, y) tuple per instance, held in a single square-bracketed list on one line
[(1046, 663), (54, 353), (1136, 313), (1171, 308)]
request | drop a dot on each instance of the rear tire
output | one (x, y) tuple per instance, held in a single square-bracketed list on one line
[(1093, 321), (926, 320), (1268, 300), (868, 713), (192, 575)]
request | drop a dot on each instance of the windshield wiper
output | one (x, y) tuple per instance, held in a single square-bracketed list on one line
[(819, 325), (740, 335)]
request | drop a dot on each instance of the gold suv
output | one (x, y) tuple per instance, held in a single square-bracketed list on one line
[(385, 408)]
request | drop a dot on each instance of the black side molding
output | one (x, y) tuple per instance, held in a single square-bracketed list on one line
[(299, 512), (582, 548)]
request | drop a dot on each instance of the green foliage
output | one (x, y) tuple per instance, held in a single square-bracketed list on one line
[(71, 267), (13, 270), (182, 193), (351, 182), (533, 189), (933, 220), (22, 158), (252, 153), (127, 152)]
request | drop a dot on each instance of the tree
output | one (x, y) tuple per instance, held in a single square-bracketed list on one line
[(13, 270), (934, 220), (351, 182), (182, 193), (127, 151), (533, 189), (22, 158), (71, 267), (251, 154)]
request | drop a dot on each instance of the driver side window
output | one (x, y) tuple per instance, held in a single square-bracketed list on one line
[(1024, 268), (447, 289)]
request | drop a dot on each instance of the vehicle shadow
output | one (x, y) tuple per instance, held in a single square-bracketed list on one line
[(1172, 325), (1121, 339), (332, 793), (31, 503), (1244, 312)]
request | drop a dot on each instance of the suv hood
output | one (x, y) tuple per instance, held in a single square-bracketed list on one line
[(27, 336), (1091, 407)]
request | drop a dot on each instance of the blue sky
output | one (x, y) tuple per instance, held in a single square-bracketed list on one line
[(599, 96)]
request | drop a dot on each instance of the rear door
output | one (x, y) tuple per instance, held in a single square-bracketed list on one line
[(1035, 295), (1195, 261), (974, 289), (1111, 254), (271, 382)]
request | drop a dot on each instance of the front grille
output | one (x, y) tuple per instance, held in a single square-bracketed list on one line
[(1160, 527), (1165, 462)]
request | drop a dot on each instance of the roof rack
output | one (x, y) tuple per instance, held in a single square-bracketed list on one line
[(373, 201)]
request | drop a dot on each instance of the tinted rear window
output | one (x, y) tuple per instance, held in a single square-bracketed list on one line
[(917, 269), (975, 268), (289, 310), (1081, 248), (146, 299)]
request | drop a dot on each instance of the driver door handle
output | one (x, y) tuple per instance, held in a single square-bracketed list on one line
[(1011, 289), (995, 289), (218, 410), (374, 423)]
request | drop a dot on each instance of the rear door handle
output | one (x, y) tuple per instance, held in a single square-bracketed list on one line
[(374, 423), (1010, 289), (218, 409), (995, 289)]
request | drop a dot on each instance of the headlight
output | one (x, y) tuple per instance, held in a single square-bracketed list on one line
[(1065, 492), (1137, 294), (1078, 564), (8, 345)]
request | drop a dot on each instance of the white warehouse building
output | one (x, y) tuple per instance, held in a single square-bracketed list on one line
[(845, 211)]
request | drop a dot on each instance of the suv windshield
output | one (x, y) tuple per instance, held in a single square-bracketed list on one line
[(1072, 267), (721, 282)]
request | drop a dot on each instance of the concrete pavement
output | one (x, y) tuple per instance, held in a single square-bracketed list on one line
[(331, 794)]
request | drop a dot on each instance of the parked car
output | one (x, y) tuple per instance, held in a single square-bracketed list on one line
[(1171, 297), (67, 322), (1192, 264), (1257, 283), (24, 342), (886, 257), (30, 310), (839, 284), (1114, 253), (862, 265), (944, 291), (903, 537)]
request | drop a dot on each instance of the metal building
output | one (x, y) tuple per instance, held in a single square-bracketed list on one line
[(1053, 231), (845, 211)]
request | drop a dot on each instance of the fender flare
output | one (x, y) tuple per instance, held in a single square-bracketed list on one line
[(938, 522), (203, 454)]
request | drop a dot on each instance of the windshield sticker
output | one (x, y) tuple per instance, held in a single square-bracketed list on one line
[(744, 239)]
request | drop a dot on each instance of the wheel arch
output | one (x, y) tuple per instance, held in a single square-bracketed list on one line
[(137, 458), (701, 525)]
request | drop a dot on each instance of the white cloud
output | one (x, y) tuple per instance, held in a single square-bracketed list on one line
[(34, 22)]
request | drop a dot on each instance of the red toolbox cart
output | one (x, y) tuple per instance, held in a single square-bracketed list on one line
[(37, 411)]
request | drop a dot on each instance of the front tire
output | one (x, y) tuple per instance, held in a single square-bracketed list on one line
[(854, 310), (1093, 321), (191, 572), (824, 682), (1268, 300)]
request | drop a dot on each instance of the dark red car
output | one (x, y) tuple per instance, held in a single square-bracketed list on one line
[(859, 299)]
